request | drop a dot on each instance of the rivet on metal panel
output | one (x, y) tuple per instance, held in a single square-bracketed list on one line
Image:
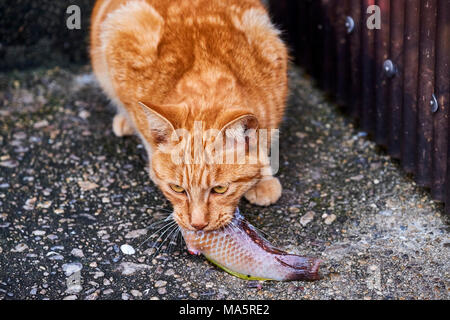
[(389, 68), (434, 104), (349, 24)]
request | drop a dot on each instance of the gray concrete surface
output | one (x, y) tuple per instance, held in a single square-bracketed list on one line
[(71, 194)]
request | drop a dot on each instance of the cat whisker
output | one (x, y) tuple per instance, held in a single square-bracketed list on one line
[(163, 228), (163, 241)]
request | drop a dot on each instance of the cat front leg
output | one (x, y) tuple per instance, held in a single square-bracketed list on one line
[(265, 192), (122, 126)]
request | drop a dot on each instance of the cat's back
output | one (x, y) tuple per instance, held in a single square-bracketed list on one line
[(161, 41)]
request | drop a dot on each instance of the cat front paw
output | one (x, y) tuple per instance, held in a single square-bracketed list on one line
[(265, 192), (121, 126)]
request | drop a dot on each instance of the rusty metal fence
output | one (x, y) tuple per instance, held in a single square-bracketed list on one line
[(392, 78)]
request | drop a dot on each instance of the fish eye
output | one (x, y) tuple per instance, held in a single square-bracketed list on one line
[(220, 189), (177, 188)]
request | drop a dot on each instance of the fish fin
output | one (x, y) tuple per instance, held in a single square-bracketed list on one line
[(302, 268), (234, 273)]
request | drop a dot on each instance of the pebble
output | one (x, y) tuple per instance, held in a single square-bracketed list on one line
[(307, 218), (129, 268), (294, 210), (162, 291), (127, 249), (93, 296), (20, 247), (87, 185), (330, 219), (77, 253), (71, 268), (136, 233), (357, 178), (108, 291), (169, 272), (160, 283), (71, 297), (9, 164), (40, 124), (136, 293)]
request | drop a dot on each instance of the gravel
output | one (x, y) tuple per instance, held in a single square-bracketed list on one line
[(71, 194)]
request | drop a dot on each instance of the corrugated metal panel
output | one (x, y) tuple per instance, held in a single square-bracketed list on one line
[(395, 105)]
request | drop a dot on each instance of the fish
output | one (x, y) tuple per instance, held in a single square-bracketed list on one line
[(241, 250)]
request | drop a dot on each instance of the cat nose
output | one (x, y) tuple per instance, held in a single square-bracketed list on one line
[(199, 225)]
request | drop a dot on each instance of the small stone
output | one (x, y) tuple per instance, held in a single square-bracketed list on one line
[(71, 268), (77, 253), (125, 296), (385, 212), (84, 114), (71, 297), (9, 164), (307, 218), (40, 124), (105, 200), (129, 268), (162, 291), (93, 296), (87, 185), (136, 233), (136, 293), (20, 248), (127, 249), (38, 232), (357, 178), (44, 205), (29, 204), (108, 292), (330, 219), (169, 272), (160, 283), (73, 289), (294, 210), (154, 298)]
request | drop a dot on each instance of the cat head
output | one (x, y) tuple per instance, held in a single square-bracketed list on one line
[(203, 166)]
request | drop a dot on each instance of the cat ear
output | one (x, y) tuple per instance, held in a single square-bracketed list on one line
[(240, 127), (161, 126)]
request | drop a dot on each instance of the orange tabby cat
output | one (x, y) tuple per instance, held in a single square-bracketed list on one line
[(170, 65)]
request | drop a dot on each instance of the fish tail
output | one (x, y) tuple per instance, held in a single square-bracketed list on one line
[(300, 268)]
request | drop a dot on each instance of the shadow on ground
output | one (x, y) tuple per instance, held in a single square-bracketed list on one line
[(71, 194)]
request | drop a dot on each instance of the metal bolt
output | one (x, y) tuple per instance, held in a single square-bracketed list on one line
[(349, 24), (434, 104), (389, 68)]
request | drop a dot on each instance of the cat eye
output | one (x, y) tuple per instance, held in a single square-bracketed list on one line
[(220, 189), (177, 188)]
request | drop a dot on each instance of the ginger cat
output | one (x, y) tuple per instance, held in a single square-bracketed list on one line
[(169, 65)]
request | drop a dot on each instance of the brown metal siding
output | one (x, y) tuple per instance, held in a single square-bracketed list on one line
[(395, 109)]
